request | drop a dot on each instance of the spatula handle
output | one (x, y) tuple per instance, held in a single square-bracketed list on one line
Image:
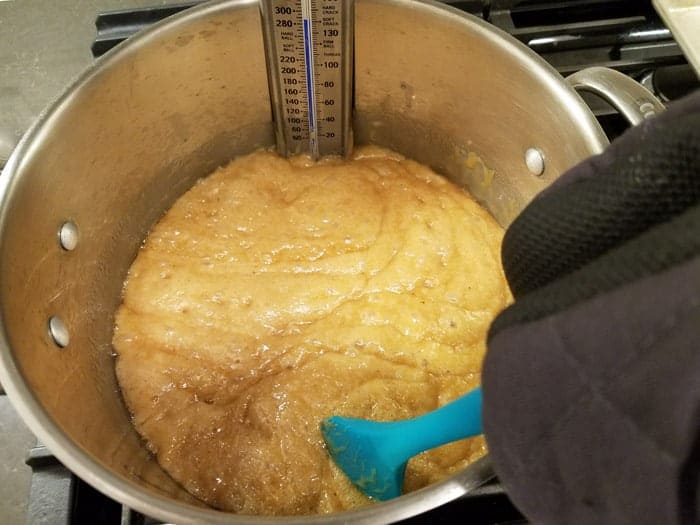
[(458, 419)]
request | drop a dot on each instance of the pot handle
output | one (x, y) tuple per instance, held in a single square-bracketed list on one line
[(626, 95)]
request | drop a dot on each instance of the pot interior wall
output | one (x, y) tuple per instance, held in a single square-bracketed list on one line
[(174, 104), (465, 101)]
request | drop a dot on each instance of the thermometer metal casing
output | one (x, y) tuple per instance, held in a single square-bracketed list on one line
[(309, 50)]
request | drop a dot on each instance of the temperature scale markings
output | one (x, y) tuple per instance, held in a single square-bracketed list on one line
[(309, 52)]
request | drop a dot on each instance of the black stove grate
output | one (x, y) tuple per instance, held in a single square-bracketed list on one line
[(626, 35)]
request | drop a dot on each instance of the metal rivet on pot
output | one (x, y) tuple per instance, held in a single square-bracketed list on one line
[(647, 110), (534, 159), (68, 236), (59, 332)]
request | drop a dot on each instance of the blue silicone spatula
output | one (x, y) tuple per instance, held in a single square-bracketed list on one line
[(374, 454)]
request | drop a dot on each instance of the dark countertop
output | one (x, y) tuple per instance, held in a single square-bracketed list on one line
[(15, 441), (43, 46)]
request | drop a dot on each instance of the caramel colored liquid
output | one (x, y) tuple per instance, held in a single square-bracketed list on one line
[(276, 293)]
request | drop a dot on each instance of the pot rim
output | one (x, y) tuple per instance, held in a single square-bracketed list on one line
[(158, 506)]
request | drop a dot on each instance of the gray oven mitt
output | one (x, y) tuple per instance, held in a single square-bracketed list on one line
[(591, 381)]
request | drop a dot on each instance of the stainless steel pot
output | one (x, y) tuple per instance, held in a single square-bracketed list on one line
[(140, 126)]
